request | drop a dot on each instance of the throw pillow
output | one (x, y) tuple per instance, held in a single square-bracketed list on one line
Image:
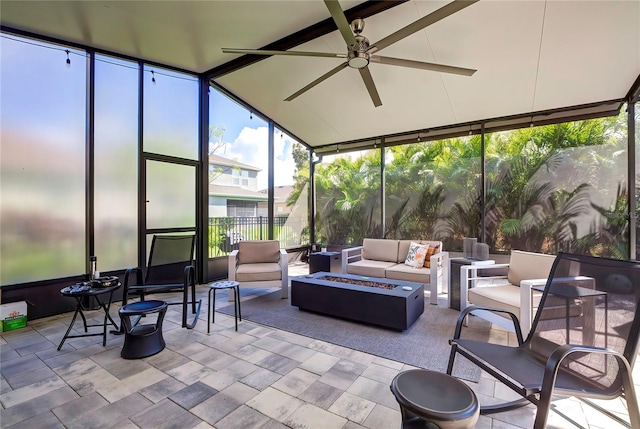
[(432, 251), (415, 256)]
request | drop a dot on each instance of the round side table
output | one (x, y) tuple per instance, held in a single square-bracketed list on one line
[(434, 400), (142, 340), (213, 287)]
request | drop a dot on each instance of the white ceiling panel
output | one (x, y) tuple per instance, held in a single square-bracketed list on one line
[(531, 55)]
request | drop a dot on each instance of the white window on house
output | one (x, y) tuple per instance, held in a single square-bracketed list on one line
[(238, 208), (240, 177)]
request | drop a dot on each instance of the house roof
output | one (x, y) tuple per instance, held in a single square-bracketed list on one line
[(236, 192), (280, 193), (533, 58), (220, 160)]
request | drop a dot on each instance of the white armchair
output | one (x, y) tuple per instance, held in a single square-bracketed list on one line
[(260, 264), (512, 292)]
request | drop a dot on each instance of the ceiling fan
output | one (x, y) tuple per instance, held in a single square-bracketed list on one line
[(360, 52)]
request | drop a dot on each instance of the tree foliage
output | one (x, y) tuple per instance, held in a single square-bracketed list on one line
[(547, 189)]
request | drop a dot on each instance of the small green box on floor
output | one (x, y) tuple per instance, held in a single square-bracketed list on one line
[(13, 316)]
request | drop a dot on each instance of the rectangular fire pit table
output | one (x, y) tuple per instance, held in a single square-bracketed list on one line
[(394, 308)]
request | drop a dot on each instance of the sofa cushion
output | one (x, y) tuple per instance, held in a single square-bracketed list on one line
[(403, 247), (369, 268), (409, 274), (258, 272), (380, 249), (416, 255), (258, 251), (528, 266)]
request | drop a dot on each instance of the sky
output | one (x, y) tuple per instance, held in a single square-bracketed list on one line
[(246, 140)]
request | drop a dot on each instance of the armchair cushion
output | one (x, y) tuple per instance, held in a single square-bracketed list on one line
[(505, 297), (528, 265), (258, 272), (258, 251)]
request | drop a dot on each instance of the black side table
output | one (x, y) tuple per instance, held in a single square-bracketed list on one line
[(328, 262), (434, 399), (78, 293)]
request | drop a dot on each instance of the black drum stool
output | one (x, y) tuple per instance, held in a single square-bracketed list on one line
[(430, 399), (142, 340)]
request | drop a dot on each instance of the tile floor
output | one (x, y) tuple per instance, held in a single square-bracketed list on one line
[(258, 377)]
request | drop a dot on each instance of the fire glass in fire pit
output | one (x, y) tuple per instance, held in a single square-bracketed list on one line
[(358, 282)]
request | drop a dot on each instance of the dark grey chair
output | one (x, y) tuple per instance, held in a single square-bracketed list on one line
[(170, 269), (583, 341)]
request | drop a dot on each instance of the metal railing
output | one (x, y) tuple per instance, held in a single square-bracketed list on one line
[(226, 232)]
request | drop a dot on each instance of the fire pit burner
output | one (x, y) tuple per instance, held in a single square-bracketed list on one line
[(358, 282)]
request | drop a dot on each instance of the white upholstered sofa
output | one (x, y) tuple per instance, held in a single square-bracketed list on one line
[(512, 292), (384, 258)]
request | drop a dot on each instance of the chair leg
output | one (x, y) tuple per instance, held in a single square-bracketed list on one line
[(452, 357), (236, 305), (237, 290), (209, 310)]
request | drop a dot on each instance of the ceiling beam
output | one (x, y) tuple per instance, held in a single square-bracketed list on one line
[(363, 10)]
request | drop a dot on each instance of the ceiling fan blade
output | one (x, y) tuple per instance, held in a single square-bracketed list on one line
[(341, 21), (325, 76), (295, 53), (371, 87), (423, 22), (422, 65)]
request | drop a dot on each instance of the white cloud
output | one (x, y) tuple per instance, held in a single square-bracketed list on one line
[(252, 147)]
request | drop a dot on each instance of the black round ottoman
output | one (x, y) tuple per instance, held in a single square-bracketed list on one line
[(142, 340), (430, 399)]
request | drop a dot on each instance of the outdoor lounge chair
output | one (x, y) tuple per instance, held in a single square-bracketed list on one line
[(583, 339), (170, 269), (260, 264)]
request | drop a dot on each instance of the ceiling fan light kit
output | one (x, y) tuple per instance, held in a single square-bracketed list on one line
[(360, 52)]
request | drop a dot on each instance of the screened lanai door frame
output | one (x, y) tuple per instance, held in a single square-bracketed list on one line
[(146, 205)]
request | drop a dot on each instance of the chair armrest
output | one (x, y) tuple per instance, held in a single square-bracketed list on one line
[(349, 255), (472, 308), (233, 264), (526, 302), (284, 259), (469, 273), (138, 282), (439, 267)]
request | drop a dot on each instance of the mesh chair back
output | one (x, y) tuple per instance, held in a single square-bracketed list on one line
[(168, 257), (593, 302)]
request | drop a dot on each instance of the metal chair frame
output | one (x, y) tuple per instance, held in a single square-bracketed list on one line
[(135, 284), (535, 376)]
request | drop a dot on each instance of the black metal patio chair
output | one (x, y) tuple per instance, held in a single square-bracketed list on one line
[(170, 269), (583, 341)]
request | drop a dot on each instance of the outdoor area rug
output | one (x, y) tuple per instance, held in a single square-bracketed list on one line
[(425, 344)]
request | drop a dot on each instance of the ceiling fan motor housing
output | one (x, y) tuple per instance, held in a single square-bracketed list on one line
[(357, 55)]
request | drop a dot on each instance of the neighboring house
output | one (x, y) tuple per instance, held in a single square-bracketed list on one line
[(280, 196), (233, 189)]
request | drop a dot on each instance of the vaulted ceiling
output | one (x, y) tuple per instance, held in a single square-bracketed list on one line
[(530, 56)]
